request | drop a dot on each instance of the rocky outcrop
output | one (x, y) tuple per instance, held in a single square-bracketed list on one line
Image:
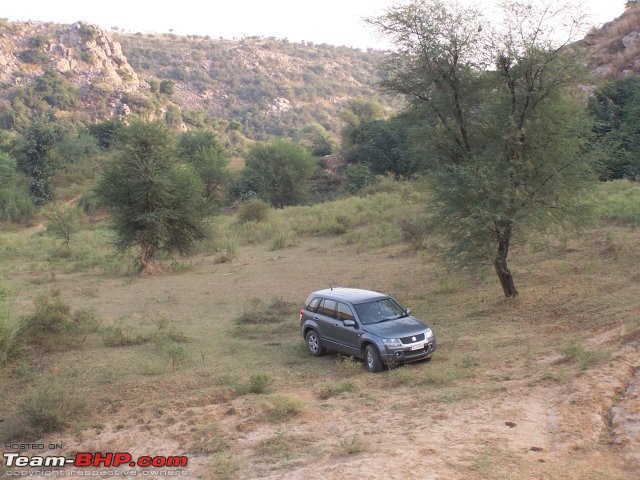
[(85, 51)]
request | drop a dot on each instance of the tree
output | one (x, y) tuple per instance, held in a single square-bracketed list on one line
[(507, 133), (279, 172), (384, 145), (616, 109), (62, 221), (156, 201), (36, 161), (209, 158)]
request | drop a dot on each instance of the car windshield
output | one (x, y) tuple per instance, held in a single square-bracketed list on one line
[(379, 311)]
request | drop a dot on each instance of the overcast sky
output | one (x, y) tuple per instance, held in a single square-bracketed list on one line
[(337, 22)]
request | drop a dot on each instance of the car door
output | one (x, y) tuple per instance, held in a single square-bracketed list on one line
[(325, 318), (346, 337)]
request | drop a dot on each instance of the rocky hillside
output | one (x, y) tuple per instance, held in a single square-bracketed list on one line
[(614, 49), (258, 87)]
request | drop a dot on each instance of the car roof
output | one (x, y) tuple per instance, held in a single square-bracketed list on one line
[(353, 295)]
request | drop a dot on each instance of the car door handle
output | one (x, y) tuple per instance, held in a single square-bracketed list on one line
[(315, 318)]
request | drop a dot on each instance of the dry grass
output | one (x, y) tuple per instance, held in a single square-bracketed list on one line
[(571, 291)]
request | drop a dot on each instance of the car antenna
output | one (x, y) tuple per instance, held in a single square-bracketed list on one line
[(330, 288)]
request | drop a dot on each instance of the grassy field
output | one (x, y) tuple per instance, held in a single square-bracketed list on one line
[(207, 359)]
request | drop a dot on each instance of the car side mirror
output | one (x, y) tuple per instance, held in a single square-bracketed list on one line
[(348, 323), (408, 310)]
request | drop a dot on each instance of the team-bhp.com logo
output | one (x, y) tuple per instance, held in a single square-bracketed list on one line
[(98, 459)]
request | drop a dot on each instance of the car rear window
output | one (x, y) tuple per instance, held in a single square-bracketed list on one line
[(313, 304), (328, 308)]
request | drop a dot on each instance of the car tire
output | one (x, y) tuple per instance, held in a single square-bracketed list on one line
[(372, 359), (313, 344)]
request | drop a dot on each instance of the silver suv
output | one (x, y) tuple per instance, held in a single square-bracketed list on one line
[(368, 325)]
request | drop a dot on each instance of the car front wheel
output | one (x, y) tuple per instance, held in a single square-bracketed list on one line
[(313, 343), (372, 359)]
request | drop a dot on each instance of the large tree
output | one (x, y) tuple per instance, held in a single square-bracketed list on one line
[(156, 201), (506, 129)]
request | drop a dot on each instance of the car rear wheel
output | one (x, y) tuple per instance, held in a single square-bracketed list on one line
[(313, 344), (372, 359)]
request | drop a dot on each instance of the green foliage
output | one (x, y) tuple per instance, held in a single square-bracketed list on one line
[(331, 390), (106, 132), (616, 109), (34, 56), (156, 202), (357, 177), (154, 85), (316, 139), (9, 331), (36, 161), (253, 210), (508, 144), (617, 201), (50, 407), (279, 172), (168, 87), (53, 325), (62, 221), (280, 407), (209, 158), (55, 90), (15, 204)]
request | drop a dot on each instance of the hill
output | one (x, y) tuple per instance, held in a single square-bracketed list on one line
[(257, 86), (613, 50)]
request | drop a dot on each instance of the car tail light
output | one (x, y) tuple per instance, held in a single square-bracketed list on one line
[(301, 313)]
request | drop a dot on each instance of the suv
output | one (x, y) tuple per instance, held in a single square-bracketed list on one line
[(368, 325)]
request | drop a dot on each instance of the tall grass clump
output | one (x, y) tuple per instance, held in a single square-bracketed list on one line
[(49, 407), (9, 332)]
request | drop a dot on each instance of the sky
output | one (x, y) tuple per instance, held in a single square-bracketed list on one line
[(336, 22)]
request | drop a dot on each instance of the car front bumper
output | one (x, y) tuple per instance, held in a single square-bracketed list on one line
[(406, 354)]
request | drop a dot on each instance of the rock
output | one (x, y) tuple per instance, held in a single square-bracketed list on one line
[(630, 40), (63, 65)]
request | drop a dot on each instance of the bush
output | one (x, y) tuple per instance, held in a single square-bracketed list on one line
[(53, 325), (330, 390), (253, 210), (357, 177), (280, 407), (50, 407)]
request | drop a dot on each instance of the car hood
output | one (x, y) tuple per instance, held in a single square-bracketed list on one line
[(401, 327)]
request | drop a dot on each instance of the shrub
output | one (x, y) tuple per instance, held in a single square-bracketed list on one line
[(280, 241), (62, 221), (53, 325), (280, 407), (352, 445), (328, 391), (253, 210), (50, 407), (259, 382)]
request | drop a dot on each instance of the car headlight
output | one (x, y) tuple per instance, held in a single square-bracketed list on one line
[(392, 342), (428, 333)]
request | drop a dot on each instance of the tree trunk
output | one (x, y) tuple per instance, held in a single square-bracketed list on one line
[(500, 264), (144, 260)]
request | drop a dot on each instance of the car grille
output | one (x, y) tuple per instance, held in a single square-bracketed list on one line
[(418, 338)]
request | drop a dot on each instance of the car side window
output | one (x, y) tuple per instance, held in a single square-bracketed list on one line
[(313, 304), (328, 308), (344, 312)]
